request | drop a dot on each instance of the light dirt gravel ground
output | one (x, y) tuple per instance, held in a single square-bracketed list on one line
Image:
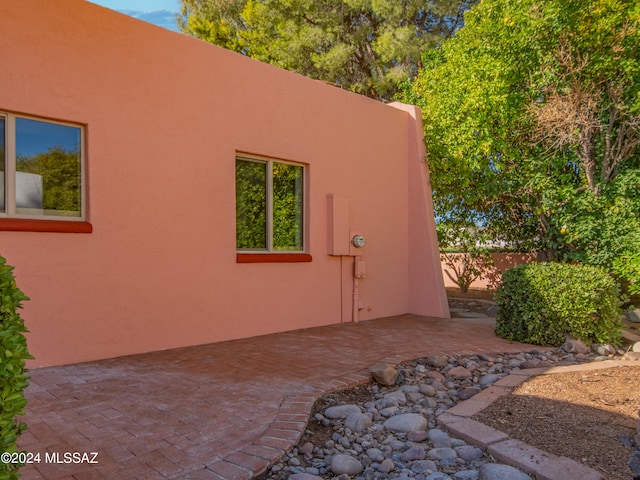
[(590, 417)]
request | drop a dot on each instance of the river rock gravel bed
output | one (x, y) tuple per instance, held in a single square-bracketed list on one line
[(390, 432)]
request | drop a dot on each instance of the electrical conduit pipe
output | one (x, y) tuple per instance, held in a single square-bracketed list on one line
[(359, 267)]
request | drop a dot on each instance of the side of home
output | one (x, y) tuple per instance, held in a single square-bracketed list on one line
[(162, 192)]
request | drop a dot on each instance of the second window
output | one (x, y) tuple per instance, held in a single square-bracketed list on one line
[(269, 205)]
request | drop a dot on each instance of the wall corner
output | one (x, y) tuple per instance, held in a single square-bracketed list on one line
[(427, 294)]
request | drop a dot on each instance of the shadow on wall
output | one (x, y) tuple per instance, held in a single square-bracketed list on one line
[(478, 270)]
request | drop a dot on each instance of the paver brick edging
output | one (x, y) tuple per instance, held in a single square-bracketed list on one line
[(283, 433), (543, 465), (286, 429), (471, 431)]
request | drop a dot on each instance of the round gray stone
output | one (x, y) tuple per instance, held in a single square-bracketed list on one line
[(306, 449), (417, 436), (633, 315), (469, 453), (341, 411), (386, 466), (406, 422), (496, 471), (388, 412), (396, 444), (415, 452), (527, 364), (429, 402), (466, 475), (424, 466), (467, 393), (442, 453), (437, 476), (574, 345), (427, 390), (375, 454), (358, 422), (604, 349), (345, 464), (304, 476), (394, 399), (439, 438), (488, 379)]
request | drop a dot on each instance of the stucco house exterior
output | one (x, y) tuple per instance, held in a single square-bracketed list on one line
[(160, 192)]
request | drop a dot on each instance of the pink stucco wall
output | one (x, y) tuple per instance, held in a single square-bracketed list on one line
[(165, 115)]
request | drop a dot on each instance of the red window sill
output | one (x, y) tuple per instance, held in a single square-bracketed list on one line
[(55, 226), (273, 257)]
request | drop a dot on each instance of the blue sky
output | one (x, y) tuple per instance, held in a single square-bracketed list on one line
[(158, 12), (34, 137)]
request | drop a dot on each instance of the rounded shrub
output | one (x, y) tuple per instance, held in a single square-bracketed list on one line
[(542, 303), (13, 356)]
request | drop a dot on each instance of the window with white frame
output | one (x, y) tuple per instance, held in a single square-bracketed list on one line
[(41, 168), (269, 205)]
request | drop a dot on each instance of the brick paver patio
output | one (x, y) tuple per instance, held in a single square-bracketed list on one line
[(218, 411)]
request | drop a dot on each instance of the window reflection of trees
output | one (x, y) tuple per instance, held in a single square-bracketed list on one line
[(61, 179), (252, 205)]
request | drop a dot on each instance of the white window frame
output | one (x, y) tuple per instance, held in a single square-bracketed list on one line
[(269, 204), (10, 141)]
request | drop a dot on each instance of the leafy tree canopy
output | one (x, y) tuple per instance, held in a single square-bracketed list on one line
[(367, 46), (532, 124)]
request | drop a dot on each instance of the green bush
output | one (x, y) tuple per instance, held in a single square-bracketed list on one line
[(627, 268), (13, 355), (541, 303)]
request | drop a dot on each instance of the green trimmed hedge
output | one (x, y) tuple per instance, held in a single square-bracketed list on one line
[(13, 356), (541, 303)]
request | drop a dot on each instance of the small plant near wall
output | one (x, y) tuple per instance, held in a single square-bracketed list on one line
[(463, 255), (542, 303), (465, 267), (13, 381)]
